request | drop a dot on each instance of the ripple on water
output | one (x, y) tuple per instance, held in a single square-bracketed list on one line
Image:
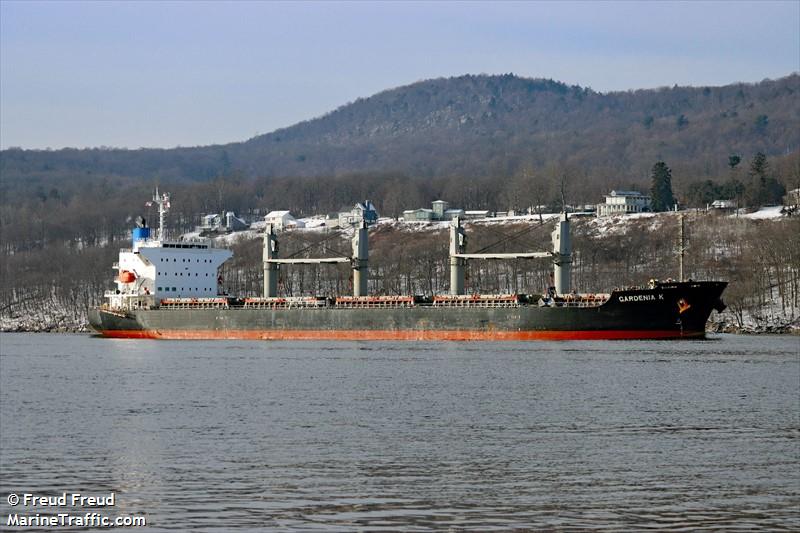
[(215, 436)]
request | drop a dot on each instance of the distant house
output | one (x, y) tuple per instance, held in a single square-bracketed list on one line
[(723, 204), (210, 222), (215, 223), (418, 215), (792, 198), (623, 203), (281, 220), (478, 213), (361, 211), (234, 223)]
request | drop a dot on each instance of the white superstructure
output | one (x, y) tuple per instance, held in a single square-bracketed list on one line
[(158, 268)]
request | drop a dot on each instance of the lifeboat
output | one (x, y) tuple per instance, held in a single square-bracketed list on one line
[(126, 276)]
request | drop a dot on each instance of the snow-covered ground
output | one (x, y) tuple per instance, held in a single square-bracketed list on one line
[(619, 225), (319, 224), (613, 225), (772, 317), (765, 213), (52, 315)]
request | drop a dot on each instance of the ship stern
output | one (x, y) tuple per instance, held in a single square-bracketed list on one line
[(114, 323)]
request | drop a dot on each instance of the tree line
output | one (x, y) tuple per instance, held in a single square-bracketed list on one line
[(75, 215), (758, 187)]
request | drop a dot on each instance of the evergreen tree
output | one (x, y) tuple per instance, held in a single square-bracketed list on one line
[(759, 165), (761, 123), (661, 198), (763, 189), (757, 183)]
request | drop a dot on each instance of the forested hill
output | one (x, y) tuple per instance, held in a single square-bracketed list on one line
[(476, 126)]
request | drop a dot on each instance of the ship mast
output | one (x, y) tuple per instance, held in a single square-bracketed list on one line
[(163, 206)]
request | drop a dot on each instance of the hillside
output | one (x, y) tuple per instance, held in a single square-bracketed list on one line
[(484, 125), (475, 126)]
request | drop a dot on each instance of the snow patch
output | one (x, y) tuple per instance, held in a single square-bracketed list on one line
[(314, 223), (775, 211)]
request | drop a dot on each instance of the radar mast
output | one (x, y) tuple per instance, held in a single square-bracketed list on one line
[(163, 207)]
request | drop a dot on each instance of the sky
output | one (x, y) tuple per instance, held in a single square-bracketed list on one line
[(166, 74)]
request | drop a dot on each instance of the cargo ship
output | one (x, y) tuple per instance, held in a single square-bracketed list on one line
[(169, 289)]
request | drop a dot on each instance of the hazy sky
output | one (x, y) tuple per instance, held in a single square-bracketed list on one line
[(160, 74)]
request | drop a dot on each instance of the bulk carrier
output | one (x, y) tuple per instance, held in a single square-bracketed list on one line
[(169, 289)]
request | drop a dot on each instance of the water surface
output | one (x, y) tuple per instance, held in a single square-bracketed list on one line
[(414, 436)]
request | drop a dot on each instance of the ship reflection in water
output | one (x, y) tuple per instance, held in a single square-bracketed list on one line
[(230, 435)]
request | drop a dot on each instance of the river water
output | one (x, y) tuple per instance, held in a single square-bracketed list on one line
[(413, 436)]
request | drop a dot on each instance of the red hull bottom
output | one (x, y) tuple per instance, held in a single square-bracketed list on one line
[(404, 335)]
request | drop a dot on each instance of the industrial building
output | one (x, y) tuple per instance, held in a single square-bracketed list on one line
[(440, 211)]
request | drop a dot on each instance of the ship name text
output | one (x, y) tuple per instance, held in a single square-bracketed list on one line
[(641, 298)]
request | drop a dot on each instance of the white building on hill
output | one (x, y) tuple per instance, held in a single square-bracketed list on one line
[(283, 219), (624, 203)]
